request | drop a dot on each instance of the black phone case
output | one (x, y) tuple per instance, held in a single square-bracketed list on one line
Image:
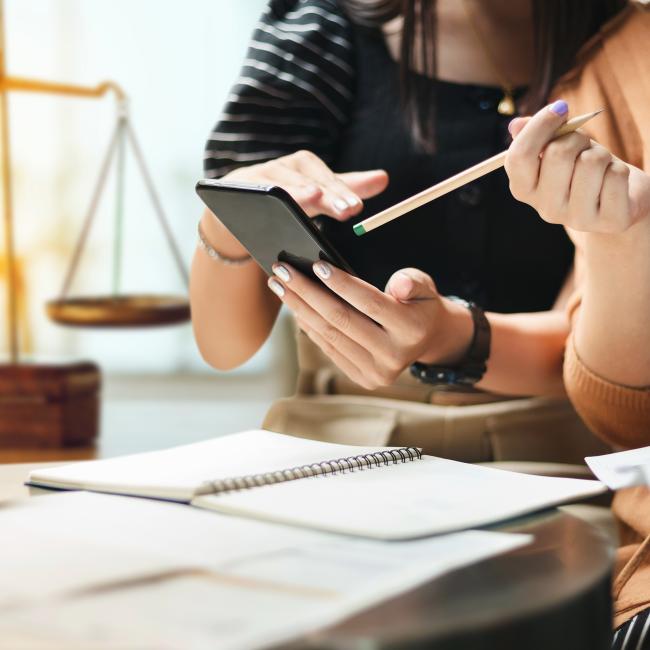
[(269, 224)]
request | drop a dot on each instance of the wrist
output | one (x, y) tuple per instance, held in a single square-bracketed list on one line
[(458, 363), (220, 237), (452, 337), (611, 258)]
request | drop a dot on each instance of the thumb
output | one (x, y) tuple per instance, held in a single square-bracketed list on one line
[(516, 126), (409, 285), (365, 184)]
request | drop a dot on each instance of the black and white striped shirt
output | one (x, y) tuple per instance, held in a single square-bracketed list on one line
[(295, 89), (633, 634)]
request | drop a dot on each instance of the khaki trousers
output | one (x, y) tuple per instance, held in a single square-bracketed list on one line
[(470, 427)]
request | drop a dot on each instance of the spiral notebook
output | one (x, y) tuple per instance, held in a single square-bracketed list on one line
[(379, 492)]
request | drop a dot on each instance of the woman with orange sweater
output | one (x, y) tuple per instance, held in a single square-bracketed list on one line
[(605, 205)]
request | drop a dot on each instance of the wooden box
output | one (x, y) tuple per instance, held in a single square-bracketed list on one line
[(48, 405)]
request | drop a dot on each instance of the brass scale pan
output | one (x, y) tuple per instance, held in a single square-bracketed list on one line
[(119, 311), (116, 309)]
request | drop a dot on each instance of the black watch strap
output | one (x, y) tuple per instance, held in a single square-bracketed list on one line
[(472, 368)]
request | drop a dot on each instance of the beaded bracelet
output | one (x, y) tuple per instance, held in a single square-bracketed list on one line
[(214, 254)]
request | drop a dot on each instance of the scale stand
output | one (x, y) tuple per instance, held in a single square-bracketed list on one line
[(56, 405)]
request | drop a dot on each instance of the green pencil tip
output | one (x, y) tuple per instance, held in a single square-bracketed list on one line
[(359, 230)]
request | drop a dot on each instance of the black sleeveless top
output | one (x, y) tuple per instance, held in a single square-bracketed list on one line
[(312, 80)]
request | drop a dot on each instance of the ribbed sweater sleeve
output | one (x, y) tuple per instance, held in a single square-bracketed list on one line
[(618, 414)]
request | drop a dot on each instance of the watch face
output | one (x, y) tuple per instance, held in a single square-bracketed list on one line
[(445, 377), (452, 378)]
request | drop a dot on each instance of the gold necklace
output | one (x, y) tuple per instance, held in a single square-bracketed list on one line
[(507, 105)]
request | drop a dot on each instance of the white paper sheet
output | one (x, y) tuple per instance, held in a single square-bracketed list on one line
[(622, 469), (60, 543), (423, 497), (366, 571), (34, 566), (195, 613), (268, 596)]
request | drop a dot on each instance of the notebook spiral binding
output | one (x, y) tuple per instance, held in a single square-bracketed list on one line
[(327, 467)]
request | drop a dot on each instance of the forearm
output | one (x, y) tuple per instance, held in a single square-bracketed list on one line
[(612, 331), (526, 354), (232, 309)]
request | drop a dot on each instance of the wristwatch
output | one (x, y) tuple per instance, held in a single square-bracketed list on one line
[(472, 368)]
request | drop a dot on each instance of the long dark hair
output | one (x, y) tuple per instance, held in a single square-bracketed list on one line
[(561, 28)]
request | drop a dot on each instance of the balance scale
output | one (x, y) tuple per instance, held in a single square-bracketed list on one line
[(58, 404)]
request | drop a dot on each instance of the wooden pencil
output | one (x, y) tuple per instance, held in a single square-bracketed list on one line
[(454, 182)]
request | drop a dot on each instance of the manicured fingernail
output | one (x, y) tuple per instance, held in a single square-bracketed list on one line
[(276, 287), (560, 107), (353, 201), (341, 205), (282, 272), (322, 270)]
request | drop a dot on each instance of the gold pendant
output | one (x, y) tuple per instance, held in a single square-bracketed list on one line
[(507, 104)]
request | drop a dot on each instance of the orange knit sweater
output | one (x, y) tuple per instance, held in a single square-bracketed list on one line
[(614, 73)]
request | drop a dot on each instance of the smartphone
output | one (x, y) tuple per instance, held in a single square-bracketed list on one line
[(270, 225)]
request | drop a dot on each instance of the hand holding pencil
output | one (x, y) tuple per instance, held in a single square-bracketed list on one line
[(460, 179), (576, 183)]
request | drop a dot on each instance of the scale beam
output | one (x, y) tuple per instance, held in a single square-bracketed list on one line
[(54, 88)]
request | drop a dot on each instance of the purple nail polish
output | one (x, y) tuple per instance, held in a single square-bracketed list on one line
[(560, 107)]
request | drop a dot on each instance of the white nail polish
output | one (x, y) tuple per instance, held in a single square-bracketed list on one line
[(322, 270), (282, 272), (341, 205), (277, 288), (353, 201)]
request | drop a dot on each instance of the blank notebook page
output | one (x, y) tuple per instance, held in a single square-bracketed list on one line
[(180, 473), (423, 497)]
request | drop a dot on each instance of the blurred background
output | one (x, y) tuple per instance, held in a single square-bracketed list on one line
[(176, 61)]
